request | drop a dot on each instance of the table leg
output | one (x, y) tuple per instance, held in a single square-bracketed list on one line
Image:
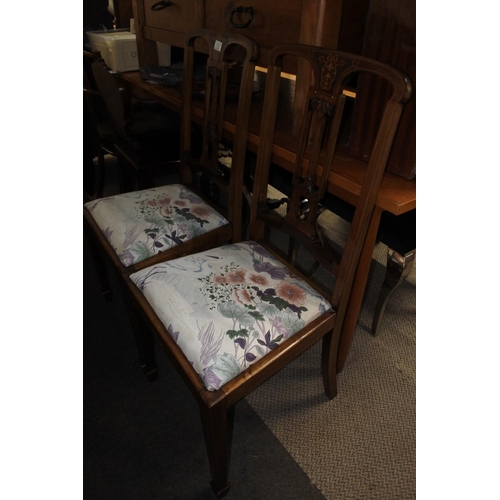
[(398, 268), (358, 289)]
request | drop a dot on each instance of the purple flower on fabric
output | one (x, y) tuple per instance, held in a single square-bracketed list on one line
[(131, 235), (187, 195), (174, 335), (210, 343), (107, 233), (276, 273), (241, 342), (211, 379), (261, 251), (277, 323), (177, 239), (271, 344), (127, 258)]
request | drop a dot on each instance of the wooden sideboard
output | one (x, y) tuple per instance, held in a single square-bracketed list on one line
[(382, 29), (328, 23)]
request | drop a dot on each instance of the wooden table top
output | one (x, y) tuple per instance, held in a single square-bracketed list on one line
[(397, 195)]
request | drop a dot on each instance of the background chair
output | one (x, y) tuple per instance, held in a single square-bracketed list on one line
[(98, 131), (146, 141), (230, 317), (137, 229)]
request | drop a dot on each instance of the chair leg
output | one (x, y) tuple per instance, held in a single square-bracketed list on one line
[(101, 174), (144, 337), (398, 268), (99, 262), (329, 350), (217, 421)]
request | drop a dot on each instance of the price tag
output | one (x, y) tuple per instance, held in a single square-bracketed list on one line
[(218, 45)]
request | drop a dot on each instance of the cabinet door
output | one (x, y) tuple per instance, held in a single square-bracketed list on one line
[(390, 37), (180, 16), (269, 23)]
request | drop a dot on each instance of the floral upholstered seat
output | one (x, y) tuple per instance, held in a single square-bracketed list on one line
[(144, 223), (228, 307)]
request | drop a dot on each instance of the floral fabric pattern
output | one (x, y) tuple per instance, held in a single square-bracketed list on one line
[(228, 307), (144, 223)]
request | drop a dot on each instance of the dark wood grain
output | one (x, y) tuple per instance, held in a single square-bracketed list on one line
[(390, 37)]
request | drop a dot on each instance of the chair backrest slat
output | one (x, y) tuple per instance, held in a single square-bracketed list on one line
[(226, 54)]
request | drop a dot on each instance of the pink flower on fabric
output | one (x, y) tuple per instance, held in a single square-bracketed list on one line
[(293, 294), (180, 203), (160, 201), (200, 211), (164, 210), (220, 279), (259, 279), (242, 296), (236, 277)]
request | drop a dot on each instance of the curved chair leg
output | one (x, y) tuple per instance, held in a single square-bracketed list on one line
[(329, 350), (217, 421), (99, 262), (398, 268)]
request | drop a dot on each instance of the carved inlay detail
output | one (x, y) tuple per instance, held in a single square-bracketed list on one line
[(330, 65)]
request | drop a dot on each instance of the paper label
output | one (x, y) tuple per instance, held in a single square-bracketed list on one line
[(218, 45)]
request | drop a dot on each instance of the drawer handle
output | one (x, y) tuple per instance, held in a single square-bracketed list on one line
[(241, 10), (162, 4)]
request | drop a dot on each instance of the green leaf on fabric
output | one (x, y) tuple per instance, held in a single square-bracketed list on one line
[(257, 315), (155, 219), (140, 251), (292, 322), (232, 334), (233, 311), (225, 367), (276, 301)]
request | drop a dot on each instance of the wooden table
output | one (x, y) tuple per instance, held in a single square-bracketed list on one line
[(397, 195)]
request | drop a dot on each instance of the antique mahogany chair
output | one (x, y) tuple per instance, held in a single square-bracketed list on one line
[(230, 317), (137, 229), (146, 141)]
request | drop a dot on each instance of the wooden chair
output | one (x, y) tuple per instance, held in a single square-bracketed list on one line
[(137, 229), (146, 142), (232, 316)]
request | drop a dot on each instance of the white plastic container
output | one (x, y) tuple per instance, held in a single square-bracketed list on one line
[(117, 47)]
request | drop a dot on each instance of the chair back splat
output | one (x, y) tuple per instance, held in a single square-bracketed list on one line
[(232, 316), (333, 73)]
